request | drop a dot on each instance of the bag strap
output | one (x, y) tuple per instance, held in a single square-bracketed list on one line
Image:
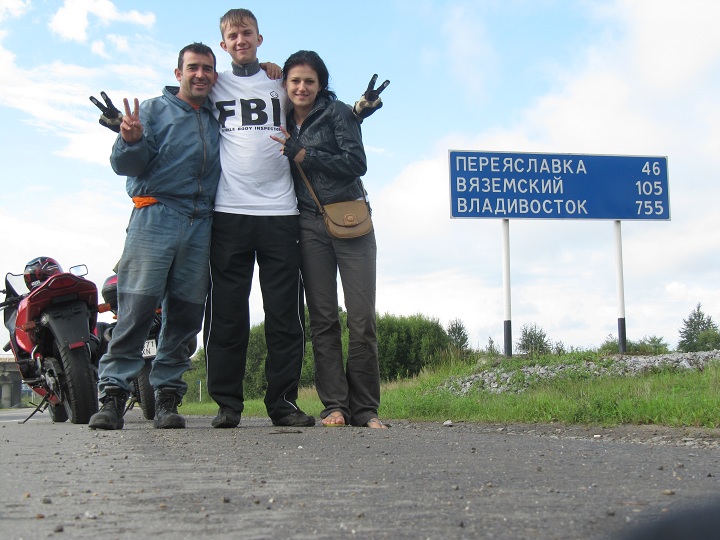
[(312, 192), (310, 189)]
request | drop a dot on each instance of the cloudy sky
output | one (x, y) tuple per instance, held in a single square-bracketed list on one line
[(616, 77)]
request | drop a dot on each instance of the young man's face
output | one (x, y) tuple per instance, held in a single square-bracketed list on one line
[(196, 78), (241, 42)]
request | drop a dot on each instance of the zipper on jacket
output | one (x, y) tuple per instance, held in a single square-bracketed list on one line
[(199, 191)]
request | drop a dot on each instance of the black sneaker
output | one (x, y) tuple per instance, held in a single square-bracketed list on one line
[(166, 413), (110, 415), (295, 419), (226, 418)]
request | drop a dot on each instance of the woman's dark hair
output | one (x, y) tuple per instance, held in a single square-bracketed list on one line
[(313, 60)]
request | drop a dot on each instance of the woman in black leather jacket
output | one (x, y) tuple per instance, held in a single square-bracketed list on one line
[(323, 137)]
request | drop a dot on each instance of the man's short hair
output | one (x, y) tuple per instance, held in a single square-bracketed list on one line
[(238, 17), (197, 48)]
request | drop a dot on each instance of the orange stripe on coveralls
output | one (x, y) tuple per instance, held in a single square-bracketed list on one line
[(142, 201)]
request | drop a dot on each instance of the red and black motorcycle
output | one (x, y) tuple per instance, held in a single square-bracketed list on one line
[(52, 337)]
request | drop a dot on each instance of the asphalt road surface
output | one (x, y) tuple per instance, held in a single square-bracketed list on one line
[(415, 480)]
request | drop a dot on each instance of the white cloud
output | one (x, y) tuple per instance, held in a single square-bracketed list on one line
[(67, 106), (98, 48), (13, 8), (92, 145), (447, 294), (120, 42), (668, 48), (71, 21), (87, 226), (73, 117), (374, 150)]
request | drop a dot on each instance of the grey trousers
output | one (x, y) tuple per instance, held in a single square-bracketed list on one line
[(353, 389)]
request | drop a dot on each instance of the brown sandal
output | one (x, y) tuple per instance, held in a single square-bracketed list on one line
[(375, 423)]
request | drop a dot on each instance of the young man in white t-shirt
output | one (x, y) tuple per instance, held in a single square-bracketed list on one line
[(255, 219)]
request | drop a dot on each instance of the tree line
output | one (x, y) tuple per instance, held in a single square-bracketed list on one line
[(409, 344), (698, 333)]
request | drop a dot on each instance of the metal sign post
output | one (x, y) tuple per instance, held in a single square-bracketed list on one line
[(622, 335), (509, 185), (507, 323)]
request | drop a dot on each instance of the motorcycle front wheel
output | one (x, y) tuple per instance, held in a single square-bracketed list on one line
[(79, 387)]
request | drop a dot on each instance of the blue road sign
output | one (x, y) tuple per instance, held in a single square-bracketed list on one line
[(558, 186)]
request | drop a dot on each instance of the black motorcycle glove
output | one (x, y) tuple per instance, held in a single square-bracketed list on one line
[(111, 117), (291, 148), (370, 101)]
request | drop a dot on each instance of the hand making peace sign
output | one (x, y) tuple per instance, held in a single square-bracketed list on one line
[(131, 128), (110, 116), (370, 101)]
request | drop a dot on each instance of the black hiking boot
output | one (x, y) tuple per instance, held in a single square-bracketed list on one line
[(166, 413), (226, 418), (110, 415)]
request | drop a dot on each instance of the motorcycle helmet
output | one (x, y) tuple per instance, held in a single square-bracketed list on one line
[(39, 270), (109, 292)]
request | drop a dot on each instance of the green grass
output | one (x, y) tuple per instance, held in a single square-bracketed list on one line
[(682, 398)]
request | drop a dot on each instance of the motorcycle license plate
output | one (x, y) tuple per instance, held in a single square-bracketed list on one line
[(150, 348)]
